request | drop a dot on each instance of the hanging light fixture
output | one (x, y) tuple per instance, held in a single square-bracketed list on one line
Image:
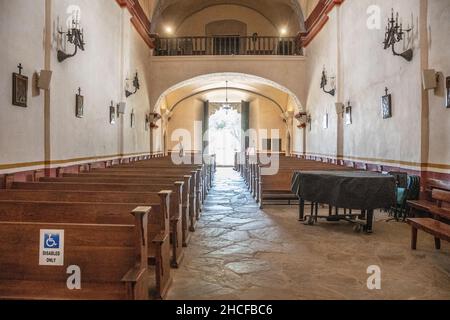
[(226, 106)]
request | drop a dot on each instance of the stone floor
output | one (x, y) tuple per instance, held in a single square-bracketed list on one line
[(241, 252)]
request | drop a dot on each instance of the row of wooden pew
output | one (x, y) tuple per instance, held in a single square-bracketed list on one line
[(434, 210), (125, 226), (277, 187), (436, 207)]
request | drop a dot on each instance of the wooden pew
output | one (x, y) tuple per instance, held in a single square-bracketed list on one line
[(440, 230), (207, 169), (178, 207), (278, 186), (189, 195), (112, 260), (197, 177), (110, 197), (98, 211), (196, 193), (438, 208)]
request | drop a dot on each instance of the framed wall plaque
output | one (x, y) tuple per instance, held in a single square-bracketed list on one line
[(386, 105), (20, 89), (79, 105), (132, 119)]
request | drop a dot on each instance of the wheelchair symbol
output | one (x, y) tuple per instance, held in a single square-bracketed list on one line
[(51, 241)]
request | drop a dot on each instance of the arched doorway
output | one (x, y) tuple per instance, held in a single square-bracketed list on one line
[(271, 106), (224, 133)]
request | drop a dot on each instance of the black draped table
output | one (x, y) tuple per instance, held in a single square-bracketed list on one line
[(350, 190)]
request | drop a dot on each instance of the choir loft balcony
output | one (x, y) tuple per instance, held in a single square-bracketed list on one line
[(228, 45)]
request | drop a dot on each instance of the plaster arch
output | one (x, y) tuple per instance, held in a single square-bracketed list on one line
[(215, 81)]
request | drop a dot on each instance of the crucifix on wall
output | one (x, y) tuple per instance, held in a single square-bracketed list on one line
[(20, 88)]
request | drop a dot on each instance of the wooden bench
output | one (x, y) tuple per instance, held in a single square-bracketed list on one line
[(112, 261), (278, 186), (438, 229), (438, 207), (98, 211), (208, 169), (179, 209), (159, 174), (110, 197), (189, 214)]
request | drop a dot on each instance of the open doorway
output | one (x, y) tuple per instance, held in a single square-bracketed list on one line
[(225, 133)]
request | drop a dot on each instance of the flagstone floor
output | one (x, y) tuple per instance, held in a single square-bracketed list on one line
[(240, 252)]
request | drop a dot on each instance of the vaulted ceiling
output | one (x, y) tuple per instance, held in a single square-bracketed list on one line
[(276, 11)]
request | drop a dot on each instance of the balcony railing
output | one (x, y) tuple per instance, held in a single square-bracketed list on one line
[(228, 45)]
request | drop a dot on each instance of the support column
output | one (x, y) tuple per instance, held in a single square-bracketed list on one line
[(245, 123), (205, 127), (340, 87), (47, 66), (425, 105)]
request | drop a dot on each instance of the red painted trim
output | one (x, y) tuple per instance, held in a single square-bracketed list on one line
[(317, 20), (139, 20)]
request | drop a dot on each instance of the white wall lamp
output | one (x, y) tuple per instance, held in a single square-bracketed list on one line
[(340, 108), (121, 108), (43, 80), (430, 79)]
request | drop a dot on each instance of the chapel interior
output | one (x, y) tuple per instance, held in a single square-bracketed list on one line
[(225, 149)]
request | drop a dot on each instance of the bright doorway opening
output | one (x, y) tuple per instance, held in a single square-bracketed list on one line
[(225, 134)]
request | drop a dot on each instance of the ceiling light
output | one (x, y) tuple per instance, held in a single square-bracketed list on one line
[(283, 31), (169, 29)]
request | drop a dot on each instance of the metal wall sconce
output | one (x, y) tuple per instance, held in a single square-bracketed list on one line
[(301, 118), (154, 117), (324, 83), (136, 86), (75, 36), (348, 114), (394, 34)]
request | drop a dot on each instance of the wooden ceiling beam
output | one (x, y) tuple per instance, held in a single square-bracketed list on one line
[(139, 20), (317, 20)]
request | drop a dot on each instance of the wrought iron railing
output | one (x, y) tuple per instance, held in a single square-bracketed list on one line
[(228, 45)]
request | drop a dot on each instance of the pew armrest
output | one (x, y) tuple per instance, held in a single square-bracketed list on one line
[(134, 275), (136, 283), (160, 238)]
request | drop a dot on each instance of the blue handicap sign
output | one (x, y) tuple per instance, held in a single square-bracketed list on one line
[(51, 241)]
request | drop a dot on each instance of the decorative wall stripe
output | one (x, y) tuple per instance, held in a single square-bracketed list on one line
[(67, 161), (417, 165)]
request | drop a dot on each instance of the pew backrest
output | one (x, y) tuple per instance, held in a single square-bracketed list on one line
[(111, 260)]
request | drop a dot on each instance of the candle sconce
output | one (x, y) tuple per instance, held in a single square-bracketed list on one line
[(324, 83), (301, 118), (394, 34), (136, 86), (154, 117), (75, 36)]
